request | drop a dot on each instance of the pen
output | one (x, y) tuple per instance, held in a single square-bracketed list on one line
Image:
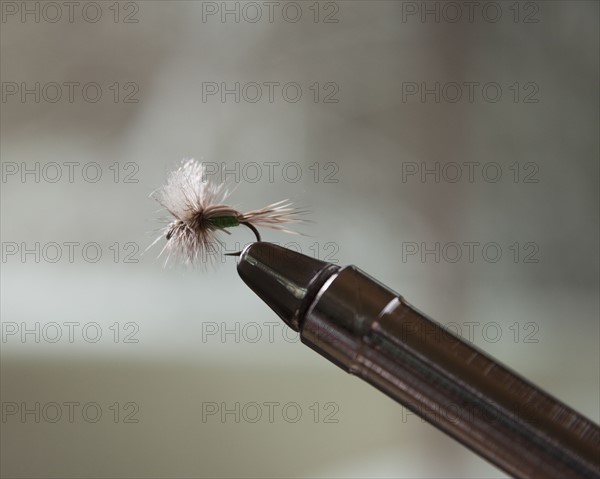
[(370, 331)]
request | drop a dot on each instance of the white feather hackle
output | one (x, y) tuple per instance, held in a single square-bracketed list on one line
[(193, 199)]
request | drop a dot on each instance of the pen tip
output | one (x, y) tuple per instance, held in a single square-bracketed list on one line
[(284, 279)]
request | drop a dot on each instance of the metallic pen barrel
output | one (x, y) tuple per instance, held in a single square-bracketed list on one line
[(371, 332)]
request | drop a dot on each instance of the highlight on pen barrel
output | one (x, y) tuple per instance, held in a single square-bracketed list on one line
[(370, 331)]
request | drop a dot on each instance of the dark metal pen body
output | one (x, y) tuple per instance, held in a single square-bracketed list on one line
[(371, 332)]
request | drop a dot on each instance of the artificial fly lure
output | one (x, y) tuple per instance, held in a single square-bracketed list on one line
[(198, 210)]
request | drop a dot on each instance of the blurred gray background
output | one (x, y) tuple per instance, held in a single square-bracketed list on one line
[(192, 375)]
